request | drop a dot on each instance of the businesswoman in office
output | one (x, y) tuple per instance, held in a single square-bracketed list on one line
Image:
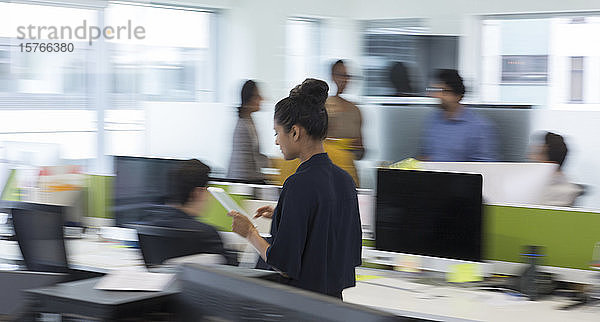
[(246, 160), (316, 232)]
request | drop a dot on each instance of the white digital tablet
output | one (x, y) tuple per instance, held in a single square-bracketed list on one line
[(225, 200)]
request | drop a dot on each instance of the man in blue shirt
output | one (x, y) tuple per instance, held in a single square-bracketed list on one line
[(455, 133)]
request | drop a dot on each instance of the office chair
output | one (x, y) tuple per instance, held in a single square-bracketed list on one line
[(161, 243), (39, 232)]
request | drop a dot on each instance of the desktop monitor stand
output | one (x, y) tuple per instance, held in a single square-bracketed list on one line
[(532, 282)]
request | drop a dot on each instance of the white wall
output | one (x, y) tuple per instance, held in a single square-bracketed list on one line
[(189, 130)]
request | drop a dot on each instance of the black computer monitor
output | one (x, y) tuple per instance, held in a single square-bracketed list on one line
[(142, 180), (429, 213), (213, 294), (139, 184), (39, 232)]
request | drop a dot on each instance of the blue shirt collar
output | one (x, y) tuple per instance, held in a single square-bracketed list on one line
[(462, 116), (320, 158)]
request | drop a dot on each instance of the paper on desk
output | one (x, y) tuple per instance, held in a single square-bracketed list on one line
[(226, 201), (132, 280)]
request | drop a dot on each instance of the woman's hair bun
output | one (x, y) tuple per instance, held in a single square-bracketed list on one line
[(311, 92)]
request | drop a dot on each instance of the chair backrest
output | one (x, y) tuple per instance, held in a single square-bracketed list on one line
[(161, 243), (39, 231)]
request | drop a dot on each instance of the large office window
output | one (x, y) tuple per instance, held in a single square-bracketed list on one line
[(55, 97), (540, 59), (172, 62), (43, 79), (303, 50), (44, 96)]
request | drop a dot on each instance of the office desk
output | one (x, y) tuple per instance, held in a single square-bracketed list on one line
[(86, 254), (91, 253), (393, 293), (79, 299), (390, 291)]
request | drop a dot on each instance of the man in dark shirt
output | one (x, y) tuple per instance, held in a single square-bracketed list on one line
[(187, 192)]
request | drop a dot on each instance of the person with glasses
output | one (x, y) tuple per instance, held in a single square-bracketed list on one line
[(454, 133), (344, 142)]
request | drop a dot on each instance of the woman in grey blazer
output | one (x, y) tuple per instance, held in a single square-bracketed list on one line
[(246, 160)]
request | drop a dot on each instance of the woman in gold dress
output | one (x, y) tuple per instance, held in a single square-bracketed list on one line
[(344, 142)]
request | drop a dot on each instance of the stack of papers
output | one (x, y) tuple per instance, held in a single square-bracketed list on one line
[(132, 280)]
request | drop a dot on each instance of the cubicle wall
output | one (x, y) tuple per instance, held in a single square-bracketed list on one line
[(568, 236)]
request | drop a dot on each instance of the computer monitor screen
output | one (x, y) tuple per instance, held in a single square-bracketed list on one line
[(428, 213), (142, 180), (39, 232)]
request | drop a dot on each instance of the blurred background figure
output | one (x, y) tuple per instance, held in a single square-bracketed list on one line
[(400, 79), (455, 133), (246, 160), (344, 142), (187, 200), (560, 192)]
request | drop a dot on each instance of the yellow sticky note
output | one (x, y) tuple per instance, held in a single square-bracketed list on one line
[(366, 277), (406, 164), (462, 273)]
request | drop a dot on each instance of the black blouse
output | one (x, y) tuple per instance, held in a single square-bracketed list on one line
[(316, 231)]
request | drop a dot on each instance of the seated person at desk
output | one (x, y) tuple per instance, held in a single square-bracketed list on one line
[(187, 192), (560, 192), (455, 133)]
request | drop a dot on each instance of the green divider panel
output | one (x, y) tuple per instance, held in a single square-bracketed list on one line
[(10, 191), (568, 236), (100, 196)]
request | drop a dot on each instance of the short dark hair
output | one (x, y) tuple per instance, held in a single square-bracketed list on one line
[(557, 148), (334, 65), (305, 106), (452, 79), (184, 178), (248, 91)]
